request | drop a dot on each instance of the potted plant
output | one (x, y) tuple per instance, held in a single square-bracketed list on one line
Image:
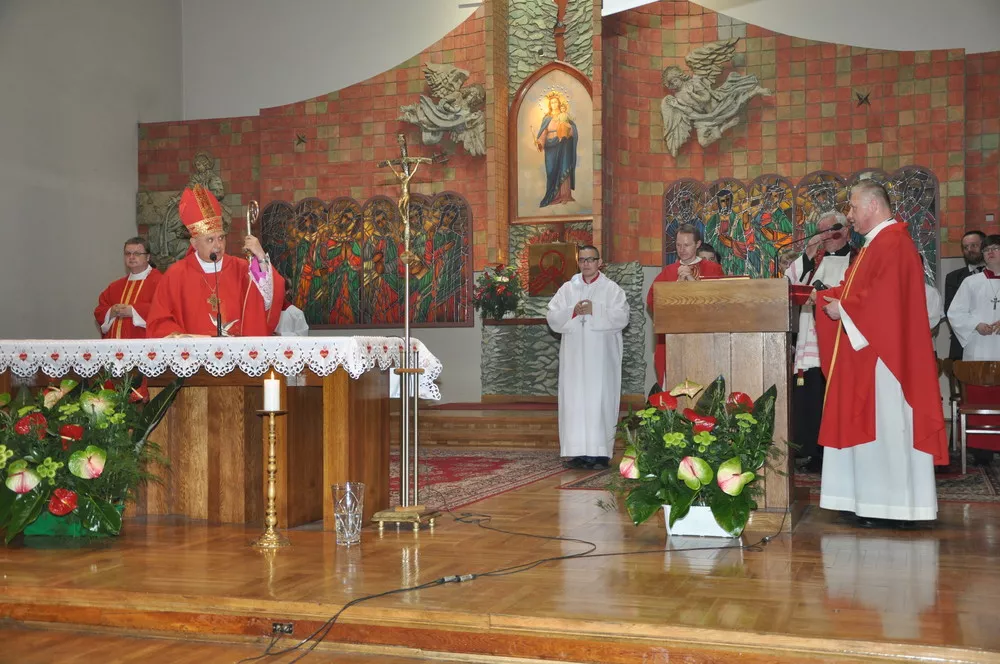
[(497, 292), (72, 456), (702, 460)]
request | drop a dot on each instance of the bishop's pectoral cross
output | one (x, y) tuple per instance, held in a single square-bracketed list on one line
[(213, 301), (996, 300)]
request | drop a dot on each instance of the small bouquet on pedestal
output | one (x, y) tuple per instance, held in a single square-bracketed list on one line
[(497, 291)]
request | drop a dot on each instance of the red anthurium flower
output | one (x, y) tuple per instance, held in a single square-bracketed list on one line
[(739, 401), (141, 393), (31, 421), (108, 385), (70, 432), (700, 422), (63, 502), (663, 401)]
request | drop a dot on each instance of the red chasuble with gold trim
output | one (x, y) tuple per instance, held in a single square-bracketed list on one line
[(187, 300), (138, 294), (669, 273), (883, 292)]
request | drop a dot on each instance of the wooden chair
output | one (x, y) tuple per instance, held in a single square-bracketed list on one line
[(946, 368), (984, 374)]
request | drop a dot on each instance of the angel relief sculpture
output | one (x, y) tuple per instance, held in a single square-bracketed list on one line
[(458, 109), (695, 103)]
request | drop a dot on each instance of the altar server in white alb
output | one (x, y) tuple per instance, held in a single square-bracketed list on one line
[(974, 313), (590, 312)]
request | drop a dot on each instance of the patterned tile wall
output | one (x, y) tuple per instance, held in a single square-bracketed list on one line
[(982, 141), (812, 122)]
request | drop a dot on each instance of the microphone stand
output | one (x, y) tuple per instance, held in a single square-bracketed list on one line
[(218, 302), (792, 243)]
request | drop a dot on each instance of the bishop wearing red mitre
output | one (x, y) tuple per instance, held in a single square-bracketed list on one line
[(208, 292)]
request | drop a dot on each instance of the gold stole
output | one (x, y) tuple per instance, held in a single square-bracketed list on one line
[(129, 297), (840, 323)]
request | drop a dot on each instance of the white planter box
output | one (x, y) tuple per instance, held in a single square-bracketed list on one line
[(699, 522)]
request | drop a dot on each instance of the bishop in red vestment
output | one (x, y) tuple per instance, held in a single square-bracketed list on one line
[(883, 422), (123, 307), (208, 290), (689, 267)]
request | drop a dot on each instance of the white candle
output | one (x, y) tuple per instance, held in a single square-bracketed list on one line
[(272, 394)]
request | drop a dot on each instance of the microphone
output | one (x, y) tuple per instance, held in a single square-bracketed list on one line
[(214, 257), (792, 243), (831, 229)]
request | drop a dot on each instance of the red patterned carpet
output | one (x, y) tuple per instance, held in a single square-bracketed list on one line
[(451, 478)]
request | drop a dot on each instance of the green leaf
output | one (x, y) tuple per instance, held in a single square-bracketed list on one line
[(6, 503), (680, 506), (732, 514), (26, 508), (763, 412), (4, 399), (642, 503), (99, 517), (154, 412), (713, 400)]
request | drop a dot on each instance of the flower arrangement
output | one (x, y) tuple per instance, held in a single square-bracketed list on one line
[(76, 453), (709, 454), (497, 291)]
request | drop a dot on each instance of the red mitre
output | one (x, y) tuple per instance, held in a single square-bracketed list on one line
[(200, 211)]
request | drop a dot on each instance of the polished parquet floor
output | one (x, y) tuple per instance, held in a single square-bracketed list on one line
[(827, 592)]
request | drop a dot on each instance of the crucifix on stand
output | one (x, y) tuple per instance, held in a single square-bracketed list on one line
[(404, 168)]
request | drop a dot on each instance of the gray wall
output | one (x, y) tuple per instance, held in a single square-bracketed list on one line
[(76, 79), (265, 53)]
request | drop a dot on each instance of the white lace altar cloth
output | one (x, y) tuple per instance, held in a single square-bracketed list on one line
[(254, 356)]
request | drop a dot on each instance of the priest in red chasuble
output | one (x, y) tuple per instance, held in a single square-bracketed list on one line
[(689, 267), (208, 289), (123, 307), (883, 422)]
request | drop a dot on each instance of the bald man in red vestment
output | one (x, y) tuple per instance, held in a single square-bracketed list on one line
[(883, 422), (208, 291), (123, 306), (689, 267)]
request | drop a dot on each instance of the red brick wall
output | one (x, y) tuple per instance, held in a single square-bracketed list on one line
[(167, 149), (982, 141), (812, 121)]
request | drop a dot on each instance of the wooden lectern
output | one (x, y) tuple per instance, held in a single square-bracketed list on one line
[(739, 329)]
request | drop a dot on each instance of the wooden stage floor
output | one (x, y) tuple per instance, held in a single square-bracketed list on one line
[(828, 592)]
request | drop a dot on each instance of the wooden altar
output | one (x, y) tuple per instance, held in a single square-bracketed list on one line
[(214, 441), (336, 430)]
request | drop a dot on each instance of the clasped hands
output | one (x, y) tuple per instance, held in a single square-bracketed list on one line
[(121, 311), (583, 307), (685, 273), (986, 329)]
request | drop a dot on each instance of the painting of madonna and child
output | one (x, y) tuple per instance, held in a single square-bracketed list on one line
[(554, 147)]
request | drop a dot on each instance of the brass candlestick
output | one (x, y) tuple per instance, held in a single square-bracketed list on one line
[(271, 539)]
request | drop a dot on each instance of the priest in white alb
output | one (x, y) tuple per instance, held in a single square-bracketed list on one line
[(590, 312), (974, 313), (883, 422)]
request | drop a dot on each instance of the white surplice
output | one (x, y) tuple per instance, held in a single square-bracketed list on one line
[(886, 478), (590, 364), (830, 272), (972, 305)]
